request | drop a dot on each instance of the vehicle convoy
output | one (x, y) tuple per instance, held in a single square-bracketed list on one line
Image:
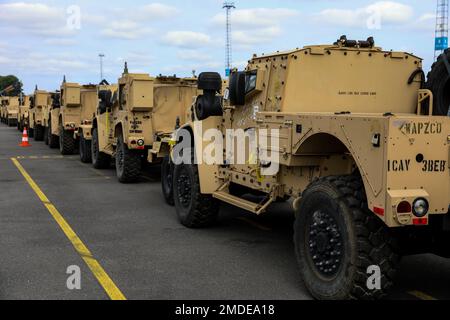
[(133, 116), (351, 134), (38, 107), (51, 120), (69, 116), (24, 109)]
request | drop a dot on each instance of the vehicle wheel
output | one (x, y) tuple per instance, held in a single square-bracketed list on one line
[(439, 83), (53, 140), (194, 209), (38, 133), (128, 163), (18, 125), (46, 135), (66, 142), (337, 239), (85, 150), (30, 132), (167, 180), (100, 160)]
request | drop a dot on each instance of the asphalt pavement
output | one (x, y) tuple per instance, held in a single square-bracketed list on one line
[(135, 239)]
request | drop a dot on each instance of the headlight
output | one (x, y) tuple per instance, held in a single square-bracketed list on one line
[(141, 143), (420, 207)]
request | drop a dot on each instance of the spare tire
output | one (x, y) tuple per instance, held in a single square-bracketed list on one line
[(439, 83)]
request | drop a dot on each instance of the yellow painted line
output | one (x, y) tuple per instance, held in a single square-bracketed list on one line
[(422, 296), (38, 157), (254, 224), (102, 277)]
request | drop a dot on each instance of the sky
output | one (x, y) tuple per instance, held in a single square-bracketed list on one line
[(40, 41)]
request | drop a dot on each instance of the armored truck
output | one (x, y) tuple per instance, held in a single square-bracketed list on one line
[(352, 134), (51, 120), (69, 116), (132, 116), (11, 111), (24, 109), (89, 104), (3, 108), (38, 106)]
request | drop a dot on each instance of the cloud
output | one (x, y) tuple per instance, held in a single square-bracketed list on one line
[(263, 35), (186, 39), (426, 22), (257, 25), (255, 18), (377, 14), (129, 24), (125, 30), (157, 11), (60, 42), (138, 61), (193, 55), (34, 18)]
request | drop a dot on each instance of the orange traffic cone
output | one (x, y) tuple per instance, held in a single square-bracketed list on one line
[(25, 143)]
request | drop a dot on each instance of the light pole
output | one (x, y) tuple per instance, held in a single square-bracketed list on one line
[(101, 56), (228, 6)]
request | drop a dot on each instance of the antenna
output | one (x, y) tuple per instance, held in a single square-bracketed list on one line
[(441, 39), (101, 56), (228, 6)]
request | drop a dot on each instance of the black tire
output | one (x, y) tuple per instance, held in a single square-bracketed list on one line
[(53, 140), (335, 208), (46, 136), (128, 163), (167, 180), (85, 150), (194, 209), (66, 142), (100, 160), (30, 132), (39, 133), (438, 81)]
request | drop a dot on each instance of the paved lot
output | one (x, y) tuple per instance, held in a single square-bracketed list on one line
[(140, 245)]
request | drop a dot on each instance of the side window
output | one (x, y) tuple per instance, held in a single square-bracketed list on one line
[(250, 81)]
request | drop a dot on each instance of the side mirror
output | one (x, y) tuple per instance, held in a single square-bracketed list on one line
[(237, 88)]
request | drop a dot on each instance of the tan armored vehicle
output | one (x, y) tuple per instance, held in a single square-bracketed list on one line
[(131, 118), (51, 120), (11, 111), (350, 134), (89, 105), (69, 116), (24, 108), (3, 108), (38, 107)]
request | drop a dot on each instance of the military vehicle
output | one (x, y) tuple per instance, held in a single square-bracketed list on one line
[(132, 117), (69, 116), (3, 108), (11, 111), (352, 134), (89, 104), (38, 106), (24, 108), (51, 120)]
